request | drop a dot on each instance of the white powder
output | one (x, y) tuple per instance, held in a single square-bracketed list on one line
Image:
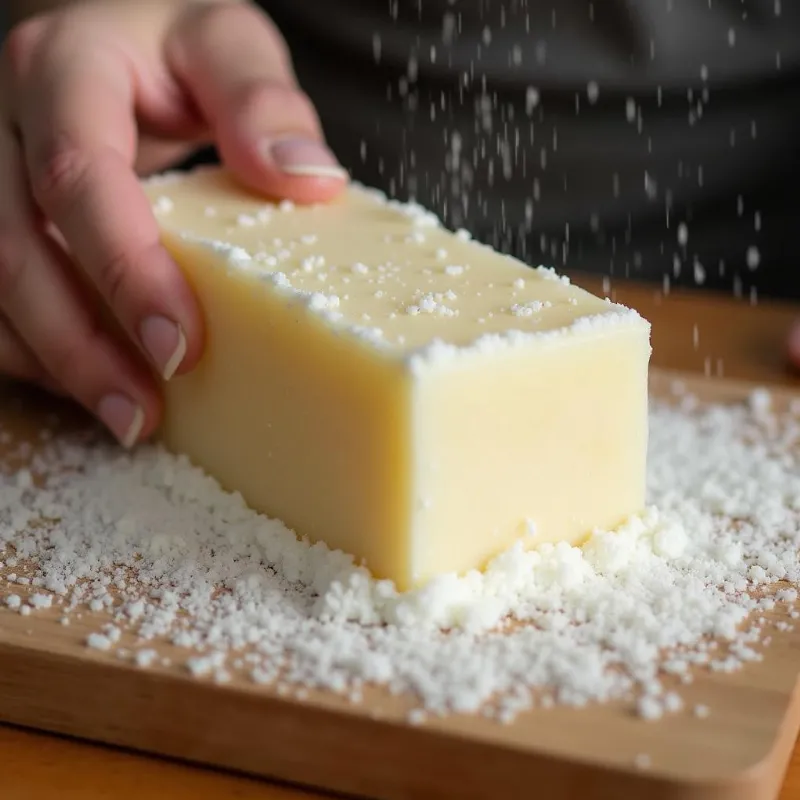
[(643, 761), (320, 302), (41, 600), (163, 205), (432, 303), (311, 263), (146, 658), (98, 642), (419, 215), (13, 601), (650, 708), (549, 274), (259, 265), (439, 353), (531, 308), (174, 558)]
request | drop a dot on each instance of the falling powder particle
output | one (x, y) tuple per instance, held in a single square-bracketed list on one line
[(531, 99), (753, 258)]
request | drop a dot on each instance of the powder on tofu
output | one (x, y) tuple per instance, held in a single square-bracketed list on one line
[(396, 390), (178, 565)]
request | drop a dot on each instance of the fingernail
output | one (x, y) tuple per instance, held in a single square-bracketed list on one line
[(123, 417), (297, 156), (164, 342)]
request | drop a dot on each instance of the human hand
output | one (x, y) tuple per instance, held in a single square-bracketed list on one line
[(794, 346), (90, 95)]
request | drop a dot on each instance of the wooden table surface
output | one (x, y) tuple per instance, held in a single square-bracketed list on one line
[(715, 335)]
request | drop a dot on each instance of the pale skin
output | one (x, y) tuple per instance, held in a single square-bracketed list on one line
[(92, 94)]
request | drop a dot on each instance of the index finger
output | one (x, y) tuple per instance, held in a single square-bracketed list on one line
[(234, 63), (79, 139)]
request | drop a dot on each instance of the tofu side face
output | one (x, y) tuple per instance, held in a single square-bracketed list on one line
[(540, 445), (394, 390), (310, 428)]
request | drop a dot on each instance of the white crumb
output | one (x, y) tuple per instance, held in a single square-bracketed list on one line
[(39, 600), (642, 761), (673, 702), (13, 601), (158, 545), (163, 205), (701, 711), (97, 641), (416, 716), (650, 708), (201, 666)]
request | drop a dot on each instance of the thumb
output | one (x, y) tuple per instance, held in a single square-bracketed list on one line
[(234, 63)]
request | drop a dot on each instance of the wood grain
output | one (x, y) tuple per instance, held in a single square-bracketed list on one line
[(194, 720)]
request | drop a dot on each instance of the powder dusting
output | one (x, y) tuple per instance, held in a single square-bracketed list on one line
[(171, 557)]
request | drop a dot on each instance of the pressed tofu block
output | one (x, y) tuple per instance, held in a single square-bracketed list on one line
[(395, 390)]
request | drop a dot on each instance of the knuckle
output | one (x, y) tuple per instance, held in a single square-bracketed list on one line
[(228, 15), (204, 21), (214, 15), (12, 260), (112, 278), (273, 98), (58, 175)]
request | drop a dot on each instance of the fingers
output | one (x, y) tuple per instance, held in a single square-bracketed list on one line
[(16, 359), (79, 140), (794, 346), (18, 362), (234, 63), (154, 156), (50, 313)]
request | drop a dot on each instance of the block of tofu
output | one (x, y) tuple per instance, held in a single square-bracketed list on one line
[(396, 390)]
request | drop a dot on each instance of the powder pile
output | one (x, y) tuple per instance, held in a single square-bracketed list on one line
[(172, 557)]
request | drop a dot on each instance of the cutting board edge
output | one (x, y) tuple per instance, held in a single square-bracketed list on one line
[(557, 772), (754, 782)]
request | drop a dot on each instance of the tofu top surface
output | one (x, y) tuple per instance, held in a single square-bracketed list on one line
[(387, 272)]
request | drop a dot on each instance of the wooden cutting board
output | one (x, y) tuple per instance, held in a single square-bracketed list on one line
[(50, 680)]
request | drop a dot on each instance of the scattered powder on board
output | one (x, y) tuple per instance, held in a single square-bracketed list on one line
[(172, 557)]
